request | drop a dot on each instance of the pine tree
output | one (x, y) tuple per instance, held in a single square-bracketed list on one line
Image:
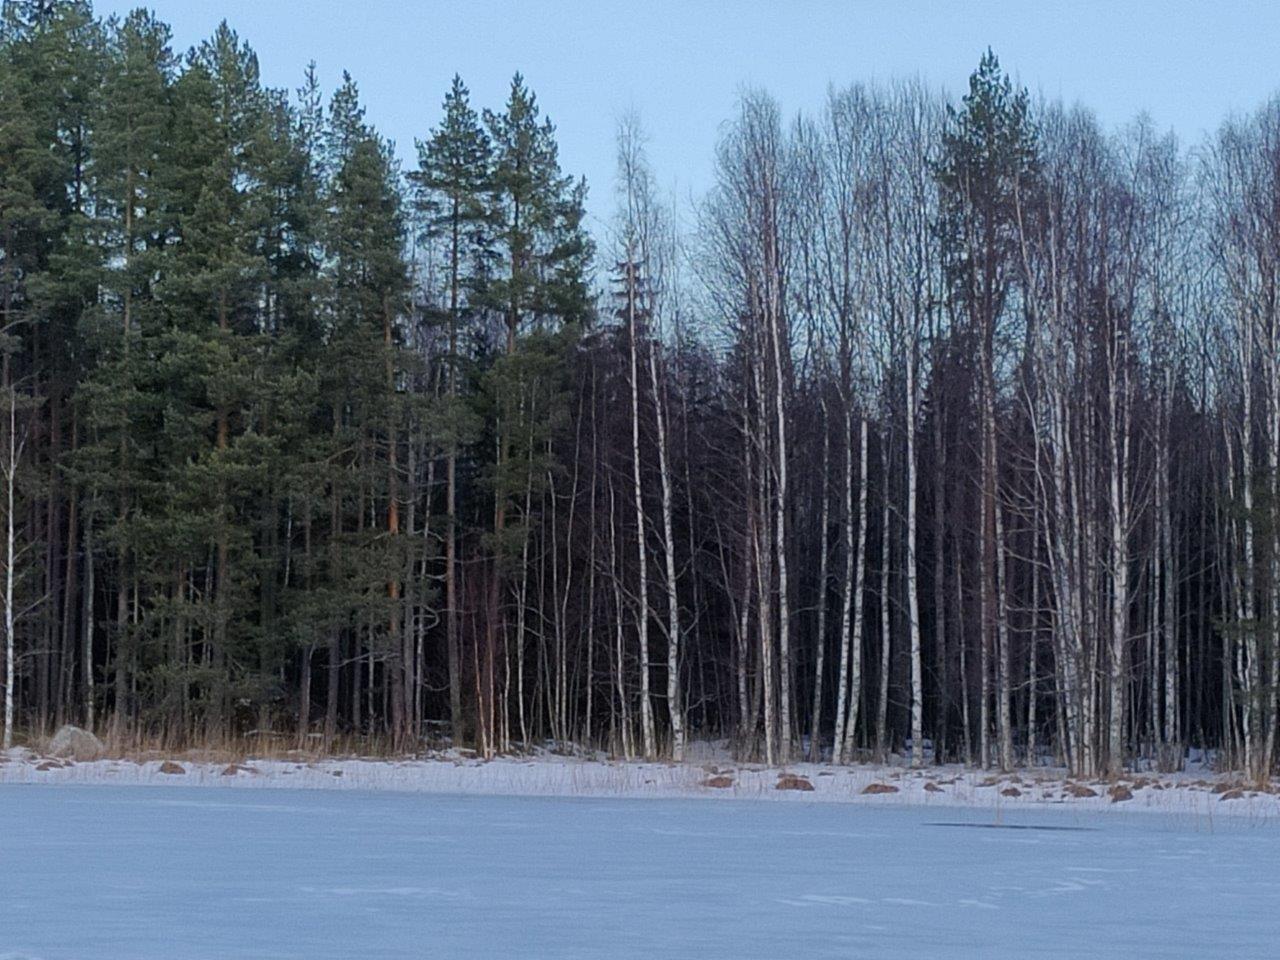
[(539, 292), (452, 189), (130, 223), (988, 162), (289, 219), (365, 242), (213, 334), (50, 64)]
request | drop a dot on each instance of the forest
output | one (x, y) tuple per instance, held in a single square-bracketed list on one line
[(943, 427)]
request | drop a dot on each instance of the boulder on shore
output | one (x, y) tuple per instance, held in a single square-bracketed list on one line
[(874, 788), (791, 781), (75, 743), (1079, 791)]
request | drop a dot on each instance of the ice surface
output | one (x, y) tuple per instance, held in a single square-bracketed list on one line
[(209, 873)]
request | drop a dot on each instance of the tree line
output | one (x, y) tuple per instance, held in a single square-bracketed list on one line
[(942, 427)]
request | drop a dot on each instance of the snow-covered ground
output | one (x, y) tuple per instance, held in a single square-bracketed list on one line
[(713, 776), (206, 873)]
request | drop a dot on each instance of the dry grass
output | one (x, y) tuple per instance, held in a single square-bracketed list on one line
[(204, 748)]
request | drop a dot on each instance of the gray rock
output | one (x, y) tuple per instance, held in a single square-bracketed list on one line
[(75, 743)]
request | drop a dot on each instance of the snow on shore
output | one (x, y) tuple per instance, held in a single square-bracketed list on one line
[(1198, 795)]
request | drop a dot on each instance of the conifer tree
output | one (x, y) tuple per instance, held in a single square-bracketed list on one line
[(131, 223), (214, 329), (539, 291), (453, 181), (988, 163), (364, 246)]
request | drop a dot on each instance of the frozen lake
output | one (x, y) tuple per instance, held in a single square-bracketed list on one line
[(174, 873)]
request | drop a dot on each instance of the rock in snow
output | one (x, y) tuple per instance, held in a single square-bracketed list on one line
[(789, 781), (873, 788), (76, 743), (1079, 790)]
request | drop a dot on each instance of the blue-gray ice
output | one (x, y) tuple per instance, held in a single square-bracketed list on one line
[(173, 873)]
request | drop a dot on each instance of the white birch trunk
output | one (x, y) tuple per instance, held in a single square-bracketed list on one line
[(815, 729), (642, 559), (851, 607), (913, 598), (882, 704), (780, 538), (10, 478), (674, 698), (1119, 564)]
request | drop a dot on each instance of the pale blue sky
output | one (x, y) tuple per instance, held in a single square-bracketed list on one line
[(681, 63)]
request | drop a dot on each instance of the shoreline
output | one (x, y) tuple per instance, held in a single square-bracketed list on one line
[(1193, 794)]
